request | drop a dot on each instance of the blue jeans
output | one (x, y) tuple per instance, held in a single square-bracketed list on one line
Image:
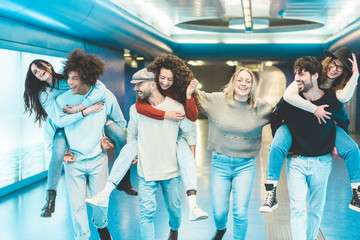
[(81, 175), (147, 192), (123, 161), (236, 174), (346, 147), (59, 148), (187, 164), (307, 176), (117, 135), (185, 158)]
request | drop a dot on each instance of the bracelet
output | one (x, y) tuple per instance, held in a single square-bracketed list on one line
[(82, 113)]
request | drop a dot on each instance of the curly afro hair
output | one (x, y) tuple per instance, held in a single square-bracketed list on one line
[(88, 66), (182, 76)]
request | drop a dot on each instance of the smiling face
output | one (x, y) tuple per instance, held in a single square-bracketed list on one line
[(166, 78), (143, 89), (304, 80), (335, 69), (77, 86), (42, 73), (243, 84)]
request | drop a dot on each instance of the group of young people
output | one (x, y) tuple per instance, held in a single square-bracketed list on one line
[(161, 139)]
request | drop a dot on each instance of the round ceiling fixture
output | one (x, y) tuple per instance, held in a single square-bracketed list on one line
[(260, 25)]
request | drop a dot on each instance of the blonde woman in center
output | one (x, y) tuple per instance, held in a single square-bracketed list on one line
[(236, 119)]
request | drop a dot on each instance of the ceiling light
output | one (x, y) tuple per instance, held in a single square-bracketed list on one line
[(257, 24), (268, 63), (231, 63)]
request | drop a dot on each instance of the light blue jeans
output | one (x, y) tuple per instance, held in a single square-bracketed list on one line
[(346, 147), (187, 164), (237, 175), (123, 161), (185, 159), (117, 135), (147, 193), (60, 146), (82, 176), (307, 179)]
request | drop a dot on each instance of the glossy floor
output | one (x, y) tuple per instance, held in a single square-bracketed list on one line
[(20, 220)]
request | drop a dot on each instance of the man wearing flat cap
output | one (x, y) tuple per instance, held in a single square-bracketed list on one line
[(157, 162)]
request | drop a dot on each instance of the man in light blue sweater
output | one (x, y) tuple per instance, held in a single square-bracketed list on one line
[(157, 162), (90, 170)]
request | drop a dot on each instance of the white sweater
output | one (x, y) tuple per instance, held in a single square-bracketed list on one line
[(291, 94), (157, 141)]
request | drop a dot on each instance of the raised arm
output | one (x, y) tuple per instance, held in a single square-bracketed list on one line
[(291, 95), (191, 110), (344, 95)]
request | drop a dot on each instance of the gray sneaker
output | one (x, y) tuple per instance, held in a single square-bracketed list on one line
[(270, 202)]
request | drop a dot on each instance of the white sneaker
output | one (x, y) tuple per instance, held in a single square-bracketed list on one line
[(99, 199), (197, 214)]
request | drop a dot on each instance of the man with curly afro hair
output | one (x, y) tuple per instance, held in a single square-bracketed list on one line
[(90, 170)]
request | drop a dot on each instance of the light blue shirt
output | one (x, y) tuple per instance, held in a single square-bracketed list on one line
[(84, 136), (56, 117)]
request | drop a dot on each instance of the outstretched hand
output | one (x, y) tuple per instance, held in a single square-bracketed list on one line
[(191, 88), (70, 109), (321, 114), (69, 157), (334, 153), (174, 116), (106, 144), (96, 107), (354, 63)]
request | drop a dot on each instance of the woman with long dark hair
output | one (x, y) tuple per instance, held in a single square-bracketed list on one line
[(42, 86)]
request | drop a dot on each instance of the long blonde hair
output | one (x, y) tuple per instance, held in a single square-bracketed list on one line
[(229, 88)]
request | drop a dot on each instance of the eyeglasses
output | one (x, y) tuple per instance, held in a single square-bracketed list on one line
[(338, 67)]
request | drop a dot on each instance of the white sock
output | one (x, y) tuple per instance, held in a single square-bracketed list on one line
[(109, 187), (192, 201), (274, 182), (355, 185)]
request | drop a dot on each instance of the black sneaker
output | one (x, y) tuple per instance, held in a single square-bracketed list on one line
[(270, 202), (355, 201), (104, 233), (219, 234)]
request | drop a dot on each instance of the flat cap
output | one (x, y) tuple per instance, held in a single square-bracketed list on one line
[(142, 75)]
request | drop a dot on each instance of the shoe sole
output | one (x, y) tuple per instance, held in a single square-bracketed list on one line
[(354, 208), (267, 209), (199, 218), (97, 205)]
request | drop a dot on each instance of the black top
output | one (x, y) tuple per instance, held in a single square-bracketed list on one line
[(309, 138)]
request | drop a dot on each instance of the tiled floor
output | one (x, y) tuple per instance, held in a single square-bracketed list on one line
[(20, 220)]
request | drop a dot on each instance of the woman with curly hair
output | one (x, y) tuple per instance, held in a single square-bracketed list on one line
[(173, 78), (339, 74)]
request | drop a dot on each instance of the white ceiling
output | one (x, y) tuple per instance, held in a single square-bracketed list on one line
[(164, 15)]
